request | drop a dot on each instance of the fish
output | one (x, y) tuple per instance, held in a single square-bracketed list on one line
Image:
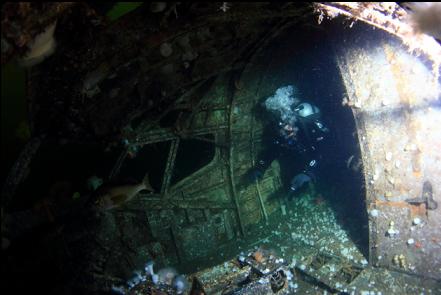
[(180, 284), (42, 47), (94, 182), (108, 198), (354, 163), (348, 161)]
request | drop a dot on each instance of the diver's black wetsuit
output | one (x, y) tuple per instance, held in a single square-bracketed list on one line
[(295, 153)]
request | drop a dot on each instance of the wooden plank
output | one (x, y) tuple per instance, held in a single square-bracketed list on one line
[(169, 166), (146, 203)]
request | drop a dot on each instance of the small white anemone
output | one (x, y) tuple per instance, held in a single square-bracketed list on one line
[(416, 221), (374, 212), (392, 232), (167, 274), (149, 268), (155, 279), (180, 284)]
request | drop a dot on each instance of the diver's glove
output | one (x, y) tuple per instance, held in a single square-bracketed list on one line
[(259, 170), (251, 176), (255, 174)]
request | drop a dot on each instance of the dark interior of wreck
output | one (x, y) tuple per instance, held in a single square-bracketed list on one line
[(173, 92)]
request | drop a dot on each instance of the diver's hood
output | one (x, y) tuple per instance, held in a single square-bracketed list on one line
[(305, 109)]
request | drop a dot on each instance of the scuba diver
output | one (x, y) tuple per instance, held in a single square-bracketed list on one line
[(297, 138)]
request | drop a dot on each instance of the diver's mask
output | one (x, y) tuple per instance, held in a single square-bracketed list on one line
[(306, 109)]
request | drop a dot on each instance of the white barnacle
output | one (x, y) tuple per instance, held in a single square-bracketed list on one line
[(374, 213), (388, 156), (416, 221)]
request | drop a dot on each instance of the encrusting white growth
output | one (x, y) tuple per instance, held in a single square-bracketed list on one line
[(149, 268), (374, 212), (43, 46), (155, 279), (180, 284), (166, 275), (416, 221), (392, 231)]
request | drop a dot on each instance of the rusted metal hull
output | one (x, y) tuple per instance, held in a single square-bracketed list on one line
[(395, 100)]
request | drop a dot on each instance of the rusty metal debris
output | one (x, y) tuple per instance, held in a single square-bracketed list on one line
[(426, 197)]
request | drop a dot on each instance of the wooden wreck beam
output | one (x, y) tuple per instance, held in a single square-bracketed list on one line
[(169, 167), (148, 203), (229, 162), (262, 204), (19, 170), (168, 134), (118, 164)]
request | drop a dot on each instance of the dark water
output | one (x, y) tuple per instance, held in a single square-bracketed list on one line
[(73, 163)]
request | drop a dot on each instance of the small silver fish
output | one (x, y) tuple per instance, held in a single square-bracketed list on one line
[(43, 46), (113, 197)]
